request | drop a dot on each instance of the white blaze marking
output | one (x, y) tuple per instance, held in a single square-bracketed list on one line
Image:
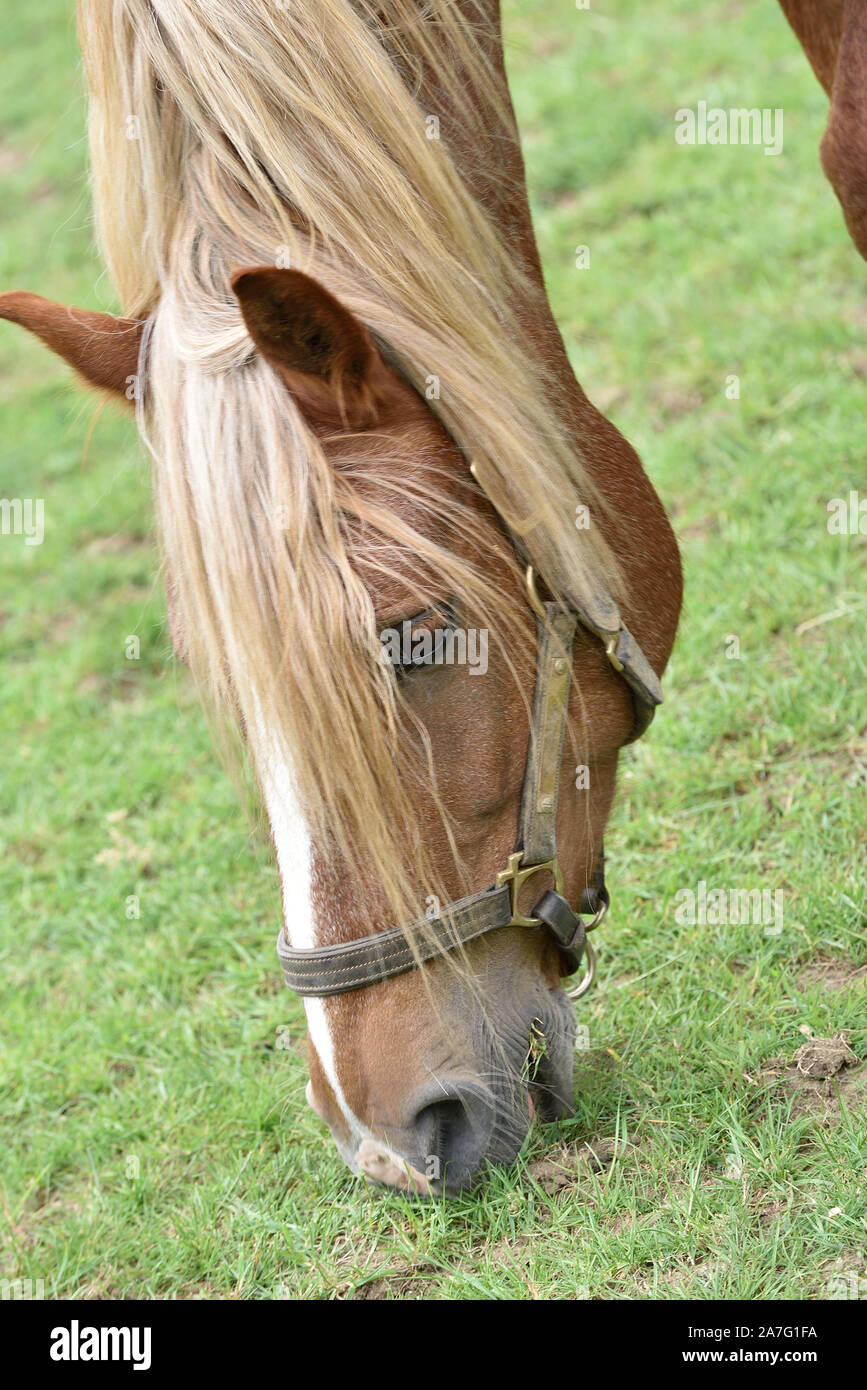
[(292, 842)]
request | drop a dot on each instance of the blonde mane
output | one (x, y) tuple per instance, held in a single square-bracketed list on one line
[(247, 132)]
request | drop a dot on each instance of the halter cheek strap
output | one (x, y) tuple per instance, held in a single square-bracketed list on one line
[(352, 965)]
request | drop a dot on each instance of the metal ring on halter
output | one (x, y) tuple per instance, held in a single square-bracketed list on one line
[(590, 973), (587, 978), (603, 899)]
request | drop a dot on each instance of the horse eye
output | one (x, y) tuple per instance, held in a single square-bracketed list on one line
[(419, 643)]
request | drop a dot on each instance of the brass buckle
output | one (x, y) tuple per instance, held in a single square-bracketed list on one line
[(516, 877), (536, 603), (611, 652)]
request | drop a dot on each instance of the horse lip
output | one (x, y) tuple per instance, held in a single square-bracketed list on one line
[(380, 1163), (547, 1104)]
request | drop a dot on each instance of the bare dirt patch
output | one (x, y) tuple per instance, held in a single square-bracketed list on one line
[(821, 1057), (400, 1281), (567, 1165), (674, 402), (844, 1277), (119, 543), (823, 1074), (678, 1278), (123, 850), (11, 158), (831, 973), (122, 688)]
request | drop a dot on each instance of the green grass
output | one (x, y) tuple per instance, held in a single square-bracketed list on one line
[(155, 1136)]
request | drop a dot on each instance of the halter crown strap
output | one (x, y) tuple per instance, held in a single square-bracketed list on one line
[(538, 836)]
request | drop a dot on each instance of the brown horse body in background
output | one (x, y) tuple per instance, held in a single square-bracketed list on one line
[(834, 36), (372, 1055)]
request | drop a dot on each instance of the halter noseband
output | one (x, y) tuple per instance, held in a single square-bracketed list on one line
[(351, 965)]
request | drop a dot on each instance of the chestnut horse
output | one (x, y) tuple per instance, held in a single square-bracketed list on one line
[(317, 222)]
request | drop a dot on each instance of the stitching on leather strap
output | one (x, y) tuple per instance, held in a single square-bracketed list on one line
[(305, 974)]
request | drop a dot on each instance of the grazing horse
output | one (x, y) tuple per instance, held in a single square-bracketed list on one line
[(363, 420)]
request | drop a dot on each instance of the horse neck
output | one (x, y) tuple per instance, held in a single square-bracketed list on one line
[(642, 538)]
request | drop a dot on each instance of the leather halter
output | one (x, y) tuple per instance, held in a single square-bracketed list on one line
[(326, 970)]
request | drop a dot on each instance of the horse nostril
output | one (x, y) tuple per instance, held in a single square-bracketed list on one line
[(452, 1133)]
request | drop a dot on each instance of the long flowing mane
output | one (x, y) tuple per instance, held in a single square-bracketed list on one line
[(233, 134)]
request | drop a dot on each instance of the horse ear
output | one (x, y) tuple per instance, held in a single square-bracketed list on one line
[(104, 350), (324, 354)]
